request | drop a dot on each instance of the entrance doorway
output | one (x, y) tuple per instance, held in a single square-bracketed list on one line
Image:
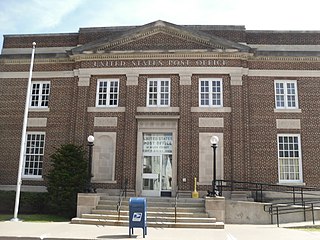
[(157, 164), (157, 175)]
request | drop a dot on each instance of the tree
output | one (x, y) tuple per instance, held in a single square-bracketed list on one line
[(66, 179)]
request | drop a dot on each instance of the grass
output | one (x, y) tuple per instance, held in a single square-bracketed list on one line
[(309, 229), (314, 228), (35, 218)]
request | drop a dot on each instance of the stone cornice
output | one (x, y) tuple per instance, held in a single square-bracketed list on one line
[(176, 55), (284, 59), (166, 55), (37, 61)]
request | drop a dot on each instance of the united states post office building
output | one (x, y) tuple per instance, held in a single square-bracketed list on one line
[(153, 96)]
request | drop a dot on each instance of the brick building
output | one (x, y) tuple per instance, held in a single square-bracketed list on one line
[(154, 95)]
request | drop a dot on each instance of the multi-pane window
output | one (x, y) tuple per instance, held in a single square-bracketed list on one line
[(40, 92), (34, 151), (210, 92), (158, 92), (286, 94), (107, 93), (289, 158)]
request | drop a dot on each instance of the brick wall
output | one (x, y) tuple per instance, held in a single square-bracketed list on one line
[(250, 133)]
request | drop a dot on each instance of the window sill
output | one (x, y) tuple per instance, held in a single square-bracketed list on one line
[(295, 184), (28, 178), (286, 110), (158, 109), (39, 109), (106, 109), (104, 181), (211, 109)]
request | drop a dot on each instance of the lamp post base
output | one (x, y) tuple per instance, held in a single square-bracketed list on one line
[(213, 193), (90, 189)]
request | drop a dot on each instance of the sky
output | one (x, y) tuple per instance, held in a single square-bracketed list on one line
[(67, 16)]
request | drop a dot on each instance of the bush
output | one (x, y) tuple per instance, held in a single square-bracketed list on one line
[(30, 202), (66, 179)]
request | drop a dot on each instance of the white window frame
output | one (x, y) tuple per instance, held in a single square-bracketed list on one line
[(107, 93), (291, 151), (158, 93), (286, 94), (40, 95), (33, 155), (210, 92)]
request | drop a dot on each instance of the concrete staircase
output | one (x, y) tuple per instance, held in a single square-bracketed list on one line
[(160, 213)]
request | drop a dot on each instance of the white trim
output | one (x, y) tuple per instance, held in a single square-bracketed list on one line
[(108, 80), (284, 82), (210, 109), (300, 159), (271, 47), (7, 51), (39, 94), (138, 70), (158, 81), (211, 80), (158, 109), (32, 177), (163, 70), (106, 109), (284, 110), (283, 73), (48, 74)]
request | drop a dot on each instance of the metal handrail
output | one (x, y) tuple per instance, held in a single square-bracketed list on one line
[(283, 208), (298, 202), (123, 194), (297, 192), (176, 205)]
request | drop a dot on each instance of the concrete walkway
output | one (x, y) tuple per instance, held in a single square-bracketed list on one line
[(50, 231)]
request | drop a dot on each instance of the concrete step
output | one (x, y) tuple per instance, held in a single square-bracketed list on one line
[(154, 209), (156, 213), (152, 218), (215, 225), (115, 199), (190, 213), (155, 203)]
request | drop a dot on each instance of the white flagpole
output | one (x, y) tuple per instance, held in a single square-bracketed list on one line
[(23, 138)]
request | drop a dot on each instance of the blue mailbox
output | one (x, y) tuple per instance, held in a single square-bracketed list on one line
[(137, 215)]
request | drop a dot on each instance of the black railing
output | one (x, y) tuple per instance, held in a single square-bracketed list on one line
[(294, 194), (294, 199), (176, 205), (123, 194), (277, 209)]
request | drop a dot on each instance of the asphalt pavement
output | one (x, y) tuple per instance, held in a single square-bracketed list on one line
[(64, 230)]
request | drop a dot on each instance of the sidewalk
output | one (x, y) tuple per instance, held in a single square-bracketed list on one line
[(65, 230)]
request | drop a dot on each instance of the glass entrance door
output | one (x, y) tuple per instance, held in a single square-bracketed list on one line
[(151, 173), (157, 164), (166, 175), (157, 175)]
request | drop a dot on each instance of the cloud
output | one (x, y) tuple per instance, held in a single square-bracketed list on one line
[(54, 16), (34, 15)]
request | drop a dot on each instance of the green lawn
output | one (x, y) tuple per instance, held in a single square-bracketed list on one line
[(314, 228), (35, 218)]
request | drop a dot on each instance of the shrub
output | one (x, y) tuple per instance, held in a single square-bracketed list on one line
[(66, 179), (30, 202)]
